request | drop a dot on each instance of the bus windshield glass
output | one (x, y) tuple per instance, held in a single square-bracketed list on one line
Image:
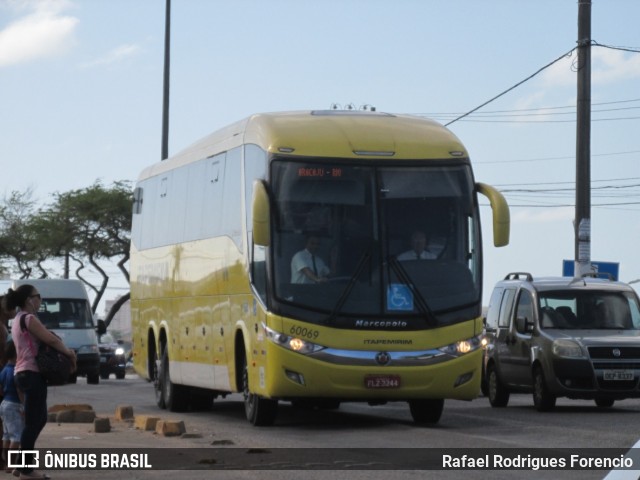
[(376, 241)]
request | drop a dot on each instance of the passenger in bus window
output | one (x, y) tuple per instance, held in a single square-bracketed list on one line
[(419, 250), (307, 266)]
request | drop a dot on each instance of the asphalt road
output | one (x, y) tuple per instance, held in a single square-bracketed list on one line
[(311, 434)]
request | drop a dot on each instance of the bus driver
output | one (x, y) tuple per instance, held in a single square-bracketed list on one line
[(307, 266), (419, 250)]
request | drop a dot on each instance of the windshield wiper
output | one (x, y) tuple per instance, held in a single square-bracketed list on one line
[(352, 282), (422, 304)]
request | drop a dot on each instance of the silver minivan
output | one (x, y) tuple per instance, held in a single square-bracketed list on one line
[(562, 337)]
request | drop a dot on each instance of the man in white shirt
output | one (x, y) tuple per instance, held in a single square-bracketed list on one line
[(418, 250), (307, 266)]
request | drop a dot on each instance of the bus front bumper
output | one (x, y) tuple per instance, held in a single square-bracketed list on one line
[(354, 375)]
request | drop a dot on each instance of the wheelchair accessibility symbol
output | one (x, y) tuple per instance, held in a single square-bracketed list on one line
[(399, 297)]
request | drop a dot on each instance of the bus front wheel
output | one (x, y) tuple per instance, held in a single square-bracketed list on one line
[(259, 411), (426, 411)]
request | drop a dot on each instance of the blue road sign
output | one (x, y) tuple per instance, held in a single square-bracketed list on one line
[(601, 269)]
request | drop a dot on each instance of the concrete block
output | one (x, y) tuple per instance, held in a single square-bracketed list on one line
[(101, 425), (75, 416), (145, 422), (124, 412), (69, 406), (169, 428)]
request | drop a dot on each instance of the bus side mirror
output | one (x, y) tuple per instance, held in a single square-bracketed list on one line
[(261, 214), (500, 210)]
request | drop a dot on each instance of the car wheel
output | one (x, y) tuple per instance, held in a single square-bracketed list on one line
[(426, 411), (484, 384), (605, 402), (497, 392), (104, 376), (259, 411), (120, 375), (542, 398), (93, 378)]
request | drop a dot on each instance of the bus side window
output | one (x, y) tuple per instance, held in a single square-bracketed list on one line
[(258, 271)]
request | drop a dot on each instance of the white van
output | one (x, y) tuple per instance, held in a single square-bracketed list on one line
[(66, 311)]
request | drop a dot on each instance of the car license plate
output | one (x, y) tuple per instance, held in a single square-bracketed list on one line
[(382, 381), (618, 375)]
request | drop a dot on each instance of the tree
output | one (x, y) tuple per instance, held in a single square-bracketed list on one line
[(97, 224), (85, 225), (18, 234)]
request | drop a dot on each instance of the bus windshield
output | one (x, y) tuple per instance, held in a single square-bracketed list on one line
[(382, 241)]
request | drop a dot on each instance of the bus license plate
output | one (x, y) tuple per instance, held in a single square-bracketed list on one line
[(382, 381), (618, 375)]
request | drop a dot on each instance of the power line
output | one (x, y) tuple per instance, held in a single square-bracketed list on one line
[(614, 102), (546, 159), (567, 54), (565, 183), (624, 49)]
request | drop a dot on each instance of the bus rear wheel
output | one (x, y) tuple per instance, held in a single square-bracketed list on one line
[(175, 396), (157, 381), (426, 411), (260, 411)]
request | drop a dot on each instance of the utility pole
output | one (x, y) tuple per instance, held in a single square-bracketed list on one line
[(582, 223), (165, 89)]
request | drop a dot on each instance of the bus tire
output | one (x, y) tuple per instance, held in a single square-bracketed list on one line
[(260, 411), (426, 411), (158, 388), (175, 396)]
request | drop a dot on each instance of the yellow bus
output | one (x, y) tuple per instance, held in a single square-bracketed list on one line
[(225, 297)]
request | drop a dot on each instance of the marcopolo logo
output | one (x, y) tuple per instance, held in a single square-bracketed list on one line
[(23, 459)]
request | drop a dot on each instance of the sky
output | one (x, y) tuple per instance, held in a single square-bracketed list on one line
[(81, 96)]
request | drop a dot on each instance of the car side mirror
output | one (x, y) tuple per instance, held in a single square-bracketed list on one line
[(101, 329), (523, 325)]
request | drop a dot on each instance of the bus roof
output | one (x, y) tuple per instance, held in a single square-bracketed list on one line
[(327, 133)]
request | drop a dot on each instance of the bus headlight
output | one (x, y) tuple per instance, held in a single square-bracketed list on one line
[(292, 343), (463, 346)]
